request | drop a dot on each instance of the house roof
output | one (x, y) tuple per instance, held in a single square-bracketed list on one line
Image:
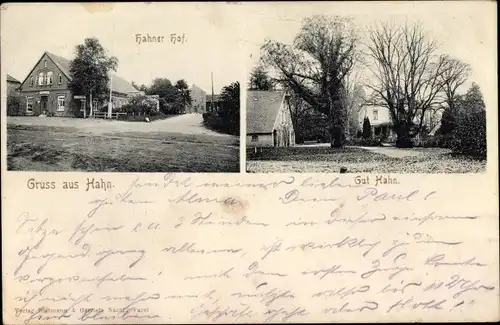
[(62, 63), (118, 84), (216, 98), (12, 79), (196, 87), (121, 85), (262, 109)]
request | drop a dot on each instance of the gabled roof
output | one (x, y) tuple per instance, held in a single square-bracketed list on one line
[(262, 109), (196, 87), (12, 79), (118, 84), (62, 63), (121, 85)]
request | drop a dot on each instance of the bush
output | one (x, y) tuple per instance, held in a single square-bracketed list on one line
[(221, 123), (14, 107), (215, 122), (140, 105), (142, 118), (469, 136), (366, 142), (434, 141)]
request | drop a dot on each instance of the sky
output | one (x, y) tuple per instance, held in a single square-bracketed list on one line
[(225, 38), (465, 30), (210, 30)]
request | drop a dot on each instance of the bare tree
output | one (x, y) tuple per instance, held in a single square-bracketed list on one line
[(314, 67), (353, 98), (455, 75), (409, 76)]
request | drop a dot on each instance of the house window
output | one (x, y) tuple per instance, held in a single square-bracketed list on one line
[(29, 104), (49, 78), (32, 81), (375, 114), (40, 79), (45, 63), (255, 137), (60, 78), (61, 103)]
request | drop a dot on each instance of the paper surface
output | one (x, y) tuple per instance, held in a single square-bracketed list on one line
[(247, 248)]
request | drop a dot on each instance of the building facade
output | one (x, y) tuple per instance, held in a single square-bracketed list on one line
[(269, 122), (381, 121), (198, 100), (12, 86), (45, 91)]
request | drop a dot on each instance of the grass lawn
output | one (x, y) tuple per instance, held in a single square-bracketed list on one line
[(358, 160), (49, 148)]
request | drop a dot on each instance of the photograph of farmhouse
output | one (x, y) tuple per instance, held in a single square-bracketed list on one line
[(93, 98), (340, 92)]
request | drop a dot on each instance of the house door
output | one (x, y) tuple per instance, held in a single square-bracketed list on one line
[(81, 111), (275, 138), (43, 104)]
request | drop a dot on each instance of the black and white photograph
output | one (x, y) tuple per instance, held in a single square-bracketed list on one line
[(104, 90), (345, 93)]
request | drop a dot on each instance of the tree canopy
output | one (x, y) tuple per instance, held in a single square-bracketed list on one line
[(89, 70), (230, 107), (411, 76), (173, 98), (315, 65), (184, 96), (260, 79)]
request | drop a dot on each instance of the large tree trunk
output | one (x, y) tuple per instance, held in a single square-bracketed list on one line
[(404, 140), (337, 127), (337, 136)]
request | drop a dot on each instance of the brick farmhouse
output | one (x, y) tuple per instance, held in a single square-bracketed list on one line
[(12, 86), (45, 90)]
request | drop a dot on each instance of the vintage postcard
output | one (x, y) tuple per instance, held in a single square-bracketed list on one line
[(239, 162), (359, 93), (108, 91)]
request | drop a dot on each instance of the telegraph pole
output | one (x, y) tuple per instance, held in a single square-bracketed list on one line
[(110, 103), (212, 103)]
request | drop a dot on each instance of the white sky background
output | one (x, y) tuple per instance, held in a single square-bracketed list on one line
[(211, 30), (225, 38), (465, 29)]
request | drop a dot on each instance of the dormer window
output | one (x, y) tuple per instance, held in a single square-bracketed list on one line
[(45, 63)]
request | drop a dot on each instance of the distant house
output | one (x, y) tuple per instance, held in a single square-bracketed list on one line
[(269, 123), (12, 85), (45, 90), (381, 120), (198, 100), (213, 103)]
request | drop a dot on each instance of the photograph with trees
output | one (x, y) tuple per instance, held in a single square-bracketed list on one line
[(173, 99), (226, 118), (336, 70), (92, 71)]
